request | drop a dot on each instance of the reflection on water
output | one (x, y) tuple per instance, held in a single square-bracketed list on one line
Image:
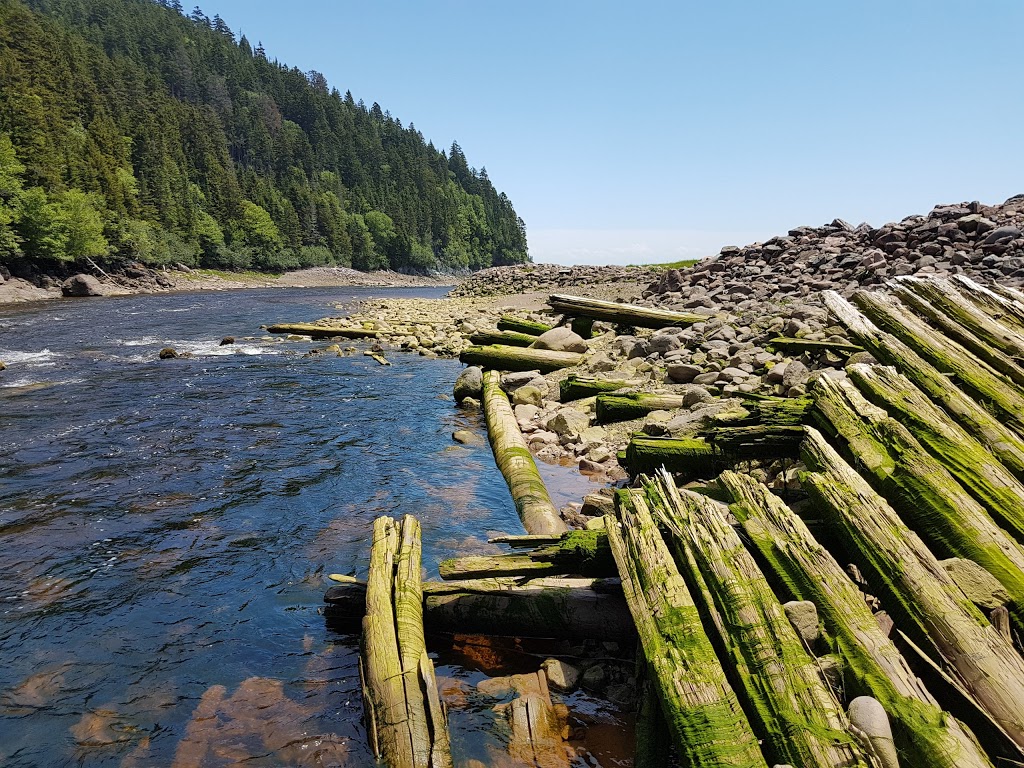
[(165, 526)]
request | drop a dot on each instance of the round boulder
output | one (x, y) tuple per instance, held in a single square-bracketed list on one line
[(469, 384), (168, 353), (81, 285), (561, 339)]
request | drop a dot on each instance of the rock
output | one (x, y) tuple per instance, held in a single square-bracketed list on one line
[(469, 384), (464, 436), (2, 365), (168, 353), (694, 394), (862, 357), (561, 676), (595, 678), (683, 373), (868, 716), (796, 374), (81, 285), (528, 395), (597, 504), (510, 382), (227, 340), (561, 339), (830, 666), (589, 467), (568, 422), (803, 615), (980, 586), (526, 412)]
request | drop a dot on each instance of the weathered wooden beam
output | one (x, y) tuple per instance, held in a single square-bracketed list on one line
[(508, 338), (501, 357), (612, 408), (704, 716), (581, 553), (971, 463), (555, 607), (787, 344), (537, 726), (923, 732), (575, 387), (1000, 302), (778, 680), (405, 720), (689, 457), (917, 590), (1006, 444), (621, 314), (513, 457), (323, 331), (980, 379), (927, 496), (521, 325)]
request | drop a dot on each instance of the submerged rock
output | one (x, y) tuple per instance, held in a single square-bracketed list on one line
[(469, 384)]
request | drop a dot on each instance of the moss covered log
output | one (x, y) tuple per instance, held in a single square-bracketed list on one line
[(1004, 443), (405, 720), (998, 301), (798, 717), (501, 357), (521, 325), (516, 463), (508, 338), (575, 387), (688, 457), (612, 408), (704, 716), (789, 345), (928, 497), (978, 378), (581, 553), (971, 463), (873, 665), (917, 590), (621, 314), (323, 331)]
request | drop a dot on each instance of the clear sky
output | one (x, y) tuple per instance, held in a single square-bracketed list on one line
[(654, 131)]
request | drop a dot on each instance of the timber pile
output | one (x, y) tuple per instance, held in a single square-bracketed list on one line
[(621, 314), (317, 331), (503, 357)]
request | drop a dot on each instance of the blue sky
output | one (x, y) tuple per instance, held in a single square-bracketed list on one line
[(654, 131)]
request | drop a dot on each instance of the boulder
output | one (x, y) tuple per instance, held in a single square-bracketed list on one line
[(568, 422), (464, 436), (81, 285), (561, 676), (561, 339), (469, 384), (168, 353), (683, 373)]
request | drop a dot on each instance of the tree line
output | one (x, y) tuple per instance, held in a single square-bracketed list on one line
[(130, 131)]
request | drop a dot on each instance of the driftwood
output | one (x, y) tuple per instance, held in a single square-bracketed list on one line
[(575, 387), (688, 457), (581, 553), (929, 499), (622, 314), (787, 344), (612, 408), (501, 357), (509, 338), (1006, 444), (1001, 302), (555, 607), (538, 728), (405, 718), (323, 331), (917, 590), (515, 461), (704, 716), (980, 379), (519, 325), (778, 679), (971, 463), (923, 732)]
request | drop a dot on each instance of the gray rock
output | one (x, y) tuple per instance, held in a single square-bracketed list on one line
[(528, 395), (561, 676), (980, 586), (694, 394), (595, 678), (469, 384), (683, 373), (568, 422), (777, 372), (803, 615), (168, 353), (561, 339), (597, 504), (795, 375), (464, 436), (81, 285), (862, 357), (868, 716)]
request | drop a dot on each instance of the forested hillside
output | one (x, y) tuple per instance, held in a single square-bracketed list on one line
[(132, 132)]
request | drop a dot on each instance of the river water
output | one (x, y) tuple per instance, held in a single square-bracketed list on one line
[(166, 527)]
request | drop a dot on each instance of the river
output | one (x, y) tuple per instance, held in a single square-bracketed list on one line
[(166, 527)]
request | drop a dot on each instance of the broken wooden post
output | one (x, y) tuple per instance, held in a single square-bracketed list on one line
[(405, 718), (501, 357), (612, 408), (509, 338), (925, 733), (538, 726), (621, 314), (580, 553), (516, 463), (708, 725), (917, 589), (521, 325), (316, 331), (575, 387)]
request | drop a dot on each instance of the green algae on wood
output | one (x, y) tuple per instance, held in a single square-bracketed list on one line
[(927, 496), (502, 357), (521, 325), (778, 680), (622, 314), (689, 457), (874, 666), (611, 408), (916, 589), (1004, 443), (516, 463), (787, 344), (509, 338), (582, 553), (704, 717), (575, 387)]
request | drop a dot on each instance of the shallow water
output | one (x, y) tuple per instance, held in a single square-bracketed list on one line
[(166, 526)]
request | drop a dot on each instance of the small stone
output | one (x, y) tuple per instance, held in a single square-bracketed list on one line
[(597, 504), (168, 353), (469, 384), (683, 373), (227, 340), (803, 615), (568, 422), (595, 524), (869, 717), (528, 395), (561, 676), (464, 436), (595, 678), (590, 467), (861, 357)]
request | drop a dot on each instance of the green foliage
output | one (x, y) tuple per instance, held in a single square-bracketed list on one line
[(185, 145)]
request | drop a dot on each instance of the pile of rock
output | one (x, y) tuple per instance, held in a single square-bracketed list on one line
[(526, 278), (983, 241)]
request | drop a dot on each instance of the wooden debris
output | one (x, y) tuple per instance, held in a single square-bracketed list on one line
[(509, 338), (612, 408), (917, 590), (538, 727), (932, 502), (575, 387), (688, 457), (1006, 444), (405, 719), (927, 735), (622, 314), (796, 346), (519, 325), (505, 358), (323, 331), (704, 716), (581, 553), (515, 461), (778, 679)]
